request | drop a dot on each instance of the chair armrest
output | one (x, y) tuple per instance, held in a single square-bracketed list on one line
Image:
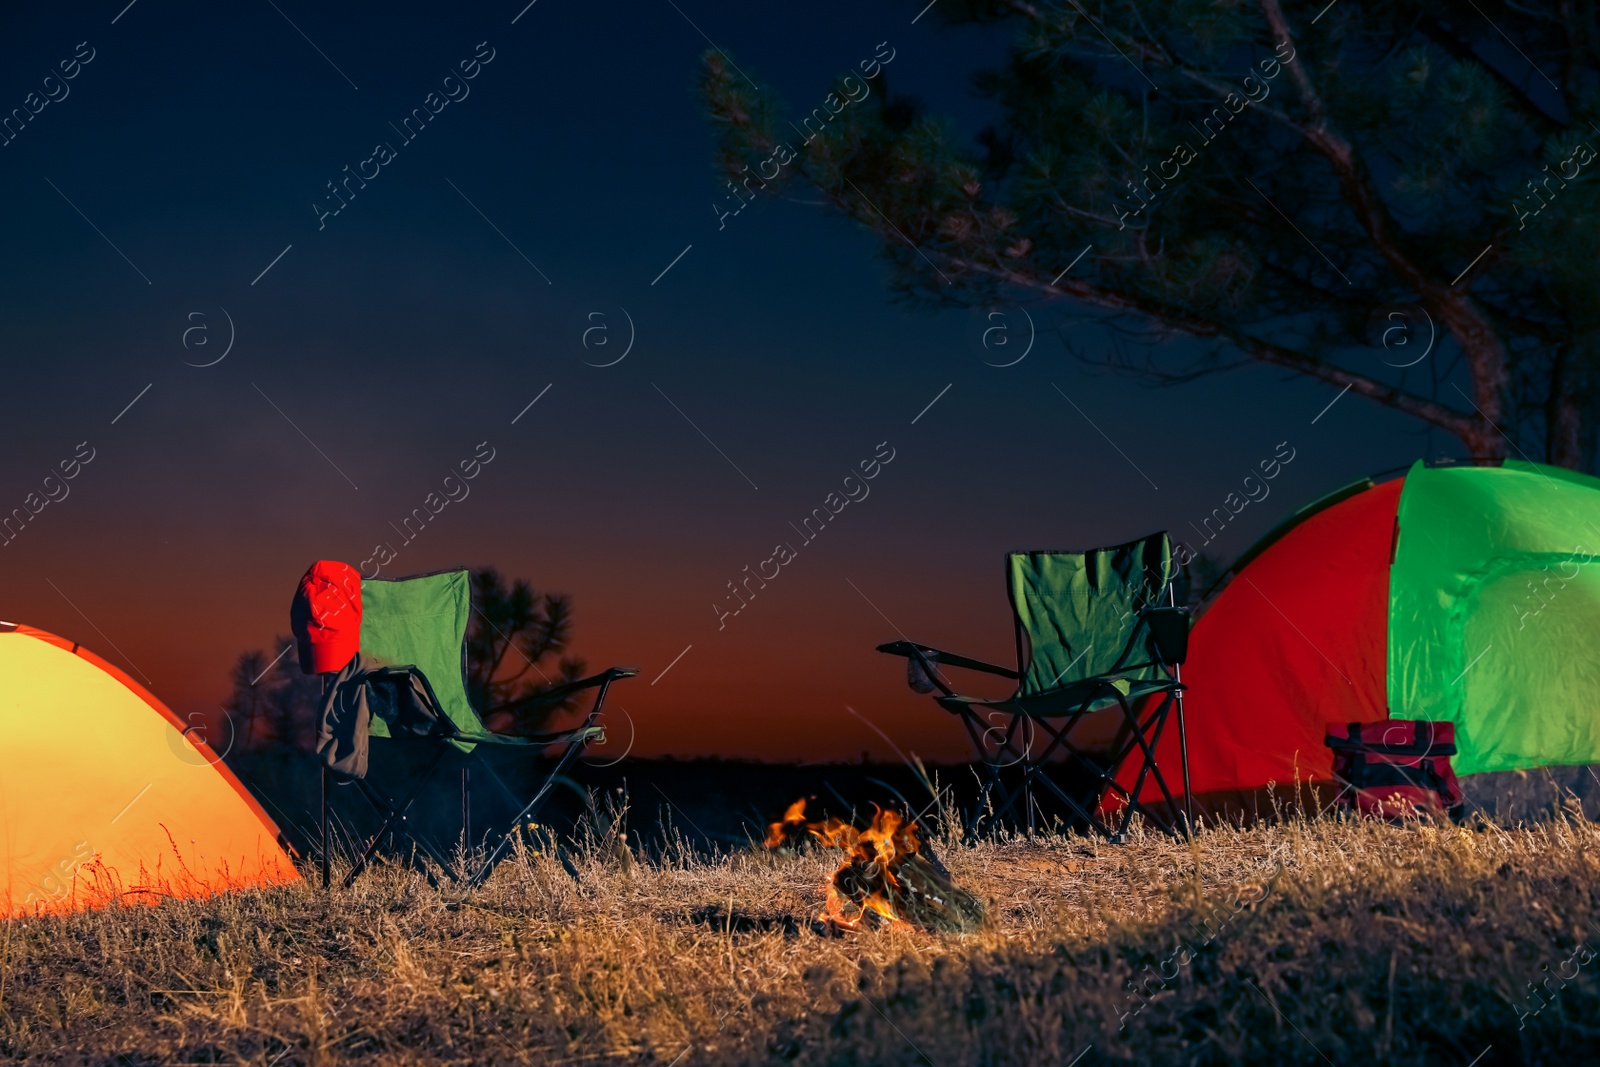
[(571, 737), (581, 735), (911, 650), (561, 692)]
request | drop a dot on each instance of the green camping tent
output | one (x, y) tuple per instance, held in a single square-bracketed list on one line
[(1468, 594)]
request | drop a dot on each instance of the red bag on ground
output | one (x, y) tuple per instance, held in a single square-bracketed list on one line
[(1397, 769), (326, 616)]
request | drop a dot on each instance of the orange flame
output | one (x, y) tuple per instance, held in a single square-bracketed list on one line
[(794, 818), (865, 883)]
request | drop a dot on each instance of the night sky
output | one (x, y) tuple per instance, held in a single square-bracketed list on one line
[(568, 187)]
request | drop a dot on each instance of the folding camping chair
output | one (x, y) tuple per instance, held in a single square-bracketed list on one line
[(420, 625), (1095, 631)]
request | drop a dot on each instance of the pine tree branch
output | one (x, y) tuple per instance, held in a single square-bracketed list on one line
[(1467, 324), (1462, 425), (1459, 423), (932, 225), (499, 656), (1223, 90), (1460, 49)]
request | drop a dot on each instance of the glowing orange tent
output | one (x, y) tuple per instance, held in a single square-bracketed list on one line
[(103, 795)]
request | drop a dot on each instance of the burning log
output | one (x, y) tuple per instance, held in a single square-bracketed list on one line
[(889, 877)]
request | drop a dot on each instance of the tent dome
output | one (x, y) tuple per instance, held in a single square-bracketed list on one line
[(1465, 594), (104, 796)]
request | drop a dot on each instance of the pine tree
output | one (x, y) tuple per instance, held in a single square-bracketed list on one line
[(514, 629), (1354, 177)]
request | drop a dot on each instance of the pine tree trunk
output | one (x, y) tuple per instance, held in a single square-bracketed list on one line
[(1486, 357), (1563, 420)]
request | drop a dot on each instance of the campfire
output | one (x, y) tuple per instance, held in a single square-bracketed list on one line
[(889, 876)]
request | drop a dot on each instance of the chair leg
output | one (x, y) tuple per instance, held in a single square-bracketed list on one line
[(1033, 766), (398, 825), (1183, 757), (327, 874), (991, 774), (1076, 808), (527, 812), (1136, 736), (1160, 724), (396, 815), (466, 810), (327, 684), (1027, 794), (1036, 769), (573, 751), (995, 767), (1146, 735), (987, 784)]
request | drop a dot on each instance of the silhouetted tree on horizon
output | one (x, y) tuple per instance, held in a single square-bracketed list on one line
[(513, 629)]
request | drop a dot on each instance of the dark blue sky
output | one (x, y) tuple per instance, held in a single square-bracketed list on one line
[(380, 350)]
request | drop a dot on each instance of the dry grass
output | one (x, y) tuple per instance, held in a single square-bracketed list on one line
[(1375, 944)]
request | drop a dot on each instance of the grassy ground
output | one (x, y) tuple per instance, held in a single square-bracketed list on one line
[(1309, 941)]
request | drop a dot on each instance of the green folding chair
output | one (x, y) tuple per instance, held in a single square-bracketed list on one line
[(419, 625), (1095, 631)]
